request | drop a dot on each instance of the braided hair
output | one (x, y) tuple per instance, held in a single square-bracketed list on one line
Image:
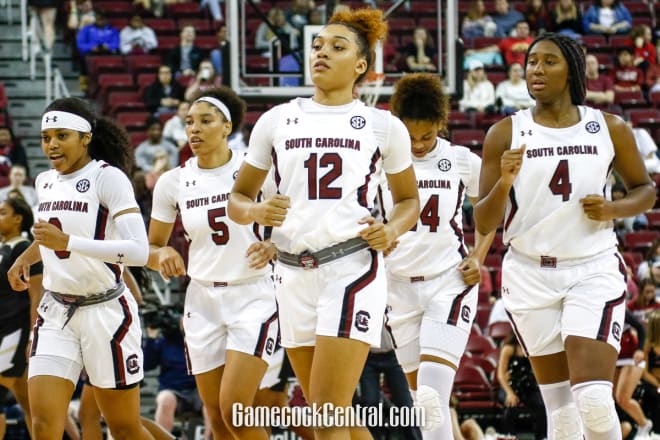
[(574, 55)]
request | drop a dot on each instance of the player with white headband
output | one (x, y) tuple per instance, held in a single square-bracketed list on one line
[(230, 315), (89, 225)]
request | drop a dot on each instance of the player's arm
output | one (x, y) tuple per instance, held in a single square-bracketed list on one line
[(494, 184), (243, 207), (630, 167), (19, 272), (162, 257), (470, 267), (35, 290)]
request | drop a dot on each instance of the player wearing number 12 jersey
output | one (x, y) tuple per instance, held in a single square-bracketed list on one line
[(230, 316), (545, 175), (432, 277)]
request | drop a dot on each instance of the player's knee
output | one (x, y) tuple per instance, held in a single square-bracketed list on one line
[(566, 423), (166, 399), (596, 406), (428, 398)]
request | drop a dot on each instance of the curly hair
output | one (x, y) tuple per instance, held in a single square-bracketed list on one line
[(234, 103), (369, 28), (420, 97), (109, 140), (574, 55)]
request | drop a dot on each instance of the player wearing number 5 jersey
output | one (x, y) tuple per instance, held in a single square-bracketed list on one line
[(230, 316), (545, 172), (432, 278), (327, 152), (89, 225)]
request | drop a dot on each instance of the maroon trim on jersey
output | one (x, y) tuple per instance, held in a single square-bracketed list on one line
[(263, 336), (363, 189), (105, 165), (458, 229), (348, 304), (381, 203), (610, 168), (514, 207), (187, 355), (456, 306), (514, 327), (606, 318), (276, 173), (255, 230), (118, 360), (35, 335), (99, 234), (622, 266)]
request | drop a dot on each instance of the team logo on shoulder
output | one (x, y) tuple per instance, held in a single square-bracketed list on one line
[(616, 331), (444, 165), (465, 314), (592, 127), (132, 364), (270, 346), (362, 320), (358, 122), (82, 185)]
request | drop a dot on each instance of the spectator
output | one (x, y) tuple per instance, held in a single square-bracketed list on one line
[(277, 27), (477, 22), (537, 16), (478, 91), (645, 267), (600, 88), (47, 11), (566, 18), (98, 38), (220, 57), (160, 165), (505, 18), (645, 303), (607, 17), (419, 53), (184, 59), (214, 8), (519, 386), (652, 78), (17, 181), (11, 148), (239, 143), (514, 48), (206, 79), (81, 14), (5, 171), (175, 127), (145, 152), (137, 38), (298, 13), (513, 93), (647, 149), (626, 76), (164, 94), (623, 225), (644, 54), (651, 375)]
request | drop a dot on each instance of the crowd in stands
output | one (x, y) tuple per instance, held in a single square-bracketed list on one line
[(170, 59)]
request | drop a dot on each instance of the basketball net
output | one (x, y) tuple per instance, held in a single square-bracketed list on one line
[(369, 90)]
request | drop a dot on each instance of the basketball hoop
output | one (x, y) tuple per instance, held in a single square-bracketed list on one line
[(369, 90)]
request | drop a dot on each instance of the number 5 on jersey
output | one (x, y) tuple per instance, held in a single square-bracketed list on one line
[(220, 236)]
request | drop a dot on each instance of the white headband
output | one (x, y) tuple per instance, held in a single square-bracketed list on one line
[(58, 119), (216, 103)]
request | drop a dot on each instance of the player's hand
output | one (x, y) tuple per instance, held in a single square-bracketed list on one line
[(638, 357), (510, 164), (389, 250), (379, 236), (259, 254), (170, 262), (470, 270), (19, 275), (597, 207), (271, 212), (50, 236)]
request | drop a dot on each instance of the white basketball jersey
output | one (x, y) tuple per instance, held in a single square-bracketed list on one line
[(84, 204), (544, 216), (218, 246), (435, 244), (326, 160)]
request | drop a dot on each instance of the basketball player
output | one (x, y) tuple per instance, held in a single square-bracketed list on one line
[(327, 152), (18, 309), (544, 173), (89, 226), (230, 316), (432, 279)]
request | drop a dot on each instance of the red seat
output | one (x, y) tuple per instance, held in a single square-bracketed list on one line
[(144, 80), (498, 331), (648, 118), (107, 82), (469, 137), (257, 63), (138, 64), (480, 345), (206, 42), (595, 43), (473, 389), (398, 25), (605, 61), (167, 42), (122, 101), (496, 77), (639, 240), (488, 365), (483, 313), (429, 23), (162, 26), (97, 64), (133, 121), (629, 99), (137, 138), (638, 9), (201, 25), (654, 219), (458, 119), (188, 9), (114, 8), (654, 97)]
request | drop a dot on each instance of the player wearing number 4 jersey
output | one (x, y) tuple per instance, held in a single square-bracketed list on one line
[(230, 316), (545, 173), (327, 152), (432, 278)]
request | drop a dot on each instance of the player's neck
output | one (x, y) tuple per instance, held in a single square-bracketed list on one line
[(333, 97), (215, 159), (10, 236)]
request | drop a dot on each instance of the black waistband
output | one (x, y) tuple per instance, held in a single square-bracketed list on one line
[(74, 301), (310, 260)]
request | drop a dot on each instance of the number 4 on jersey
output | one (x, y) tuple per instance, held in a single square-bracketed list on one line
[(560, 184)]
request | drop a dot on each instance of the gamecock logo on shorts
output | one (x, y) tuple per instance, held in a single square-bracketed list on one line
[(270, 345), (362, 320), (465, 314), (358, 122), (132, 364), (616, 331), (82, 185)]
